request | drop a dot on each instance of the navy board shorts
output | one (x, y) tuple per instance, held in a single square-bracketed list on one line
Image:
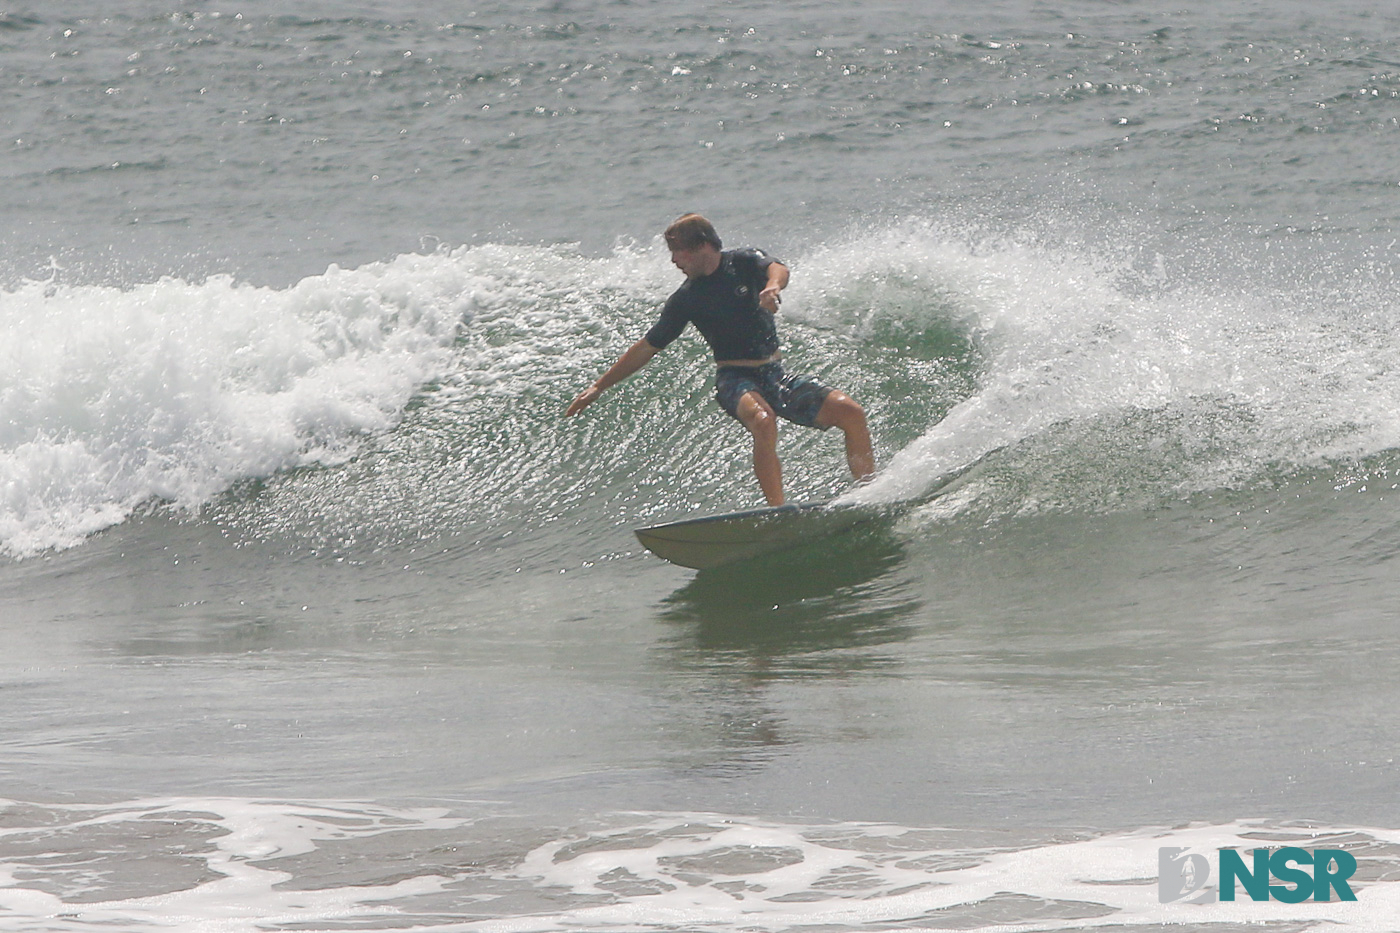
[(796, 398)]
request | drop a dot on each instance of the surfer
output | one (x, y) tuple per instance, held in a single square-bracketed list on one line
[(731, 296)]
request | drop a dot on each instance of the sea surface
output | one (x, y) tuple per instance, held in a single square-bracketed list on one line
[(316, 614)]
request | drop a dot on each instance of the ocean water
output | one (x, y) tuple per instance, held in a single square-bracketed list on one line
[(316, 614)]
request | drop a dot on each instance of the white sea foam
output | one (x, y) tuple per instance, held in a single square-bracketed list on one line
[(173, 391), (246, 865), (1250, 374)]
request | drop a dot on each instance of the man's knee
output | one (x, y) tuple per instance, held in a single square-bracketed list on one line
[(752, 405), (757, 415), (841, 411)]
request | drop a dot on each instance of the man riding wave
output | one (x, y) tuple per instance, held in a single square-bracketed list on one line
[(731, 296)]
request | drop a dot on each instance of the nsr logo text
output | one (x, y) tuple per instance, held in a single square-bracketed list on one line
[(1183, 877)]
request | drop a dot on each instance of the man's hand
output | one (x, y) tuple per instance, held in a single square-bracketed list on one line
[(581, 401), (634, 359), (769, 299)]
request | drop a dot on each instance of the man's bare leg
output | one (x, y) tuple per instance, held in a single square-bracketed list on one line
[(762, 423), (841, 411)]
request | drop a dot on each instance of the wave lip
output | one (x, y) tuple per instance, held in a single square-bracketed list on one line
[(1092, 363), (173, 390)]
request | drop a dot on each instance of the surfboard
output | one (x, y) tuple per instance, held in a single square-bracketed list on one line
[(716, 540)]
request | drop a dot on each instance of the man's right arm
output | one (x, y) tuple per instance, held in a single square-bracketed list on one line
[(637, 356)]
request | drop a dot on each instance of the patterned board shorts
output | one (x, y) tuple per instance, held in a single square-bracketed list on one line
[(796, 398)]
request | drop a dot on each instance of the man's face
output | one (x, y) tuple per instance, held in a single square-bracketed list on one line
[(696, 262)]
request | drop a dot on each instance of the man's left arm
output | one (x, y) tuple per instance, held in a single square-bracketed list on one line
[(768, 299)]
